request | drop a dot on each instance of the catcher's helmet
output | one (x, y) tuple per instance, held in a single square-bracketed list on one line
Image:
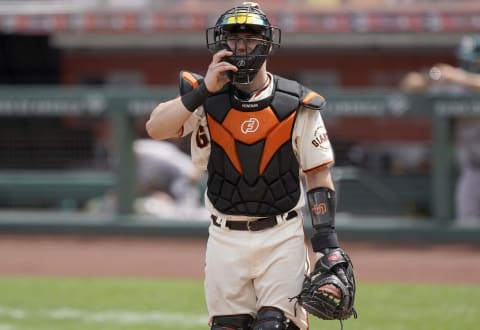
[(246, 18), (468, 53)]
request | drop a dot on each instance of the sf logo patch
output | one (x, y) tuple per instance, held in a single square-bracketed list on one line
[(320, 138), (320, 209), (250, 126)]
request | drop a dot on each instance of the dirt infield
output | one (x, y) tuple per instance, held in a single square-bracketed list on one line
[(184, 258)]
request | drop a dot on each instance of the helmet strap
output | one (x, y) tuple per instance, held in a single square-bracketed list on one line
[(245, 96)]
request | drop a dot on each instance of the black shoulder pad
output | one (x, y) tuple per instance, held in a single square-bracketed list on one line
[(311, 99), (307, 97), (288, 86), (189, 81)]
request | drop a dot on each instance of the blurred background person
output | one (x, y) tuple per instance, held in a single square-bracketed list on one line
[(167, 184), (167, 181), (462, 80)]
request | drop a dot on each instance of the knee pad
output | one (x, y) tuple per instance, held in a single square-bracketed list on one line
[(232, 322), (272, 318)]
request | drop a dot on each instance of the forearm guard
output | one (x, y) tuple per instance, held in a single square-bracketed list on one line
[(195, 97), (322, 205)]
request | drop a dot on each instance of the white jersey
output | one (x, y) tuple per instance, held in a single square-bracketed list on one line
[(266, 267), (310, 142)]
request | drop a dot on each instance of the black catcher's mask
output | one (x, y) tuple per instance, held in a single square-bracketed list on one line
[(247, 18)]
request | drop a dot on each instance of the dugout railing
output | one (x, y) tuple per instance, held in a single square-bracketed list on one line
[(120, 106)]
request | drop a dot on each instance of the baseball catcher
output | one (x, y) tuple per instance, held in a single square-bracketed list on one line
[(252, 131), (329, 291)]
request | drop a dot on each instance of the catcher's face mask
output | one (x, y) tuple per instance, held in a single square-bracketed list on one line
[(246, 31)]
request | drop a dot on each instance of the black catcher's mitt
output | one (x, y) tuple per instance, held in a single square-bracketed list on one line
[(334, 268)]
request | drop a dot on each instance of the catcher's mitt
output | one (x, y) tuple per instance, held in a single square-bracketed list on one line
[(334, 268)]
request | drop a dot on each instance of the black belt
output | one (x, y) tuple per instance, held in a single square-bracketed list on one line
[(253, 225)]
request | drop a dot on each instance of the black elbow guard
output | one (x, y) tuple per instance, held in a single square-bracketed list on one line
[(322, 205), (192, 90)]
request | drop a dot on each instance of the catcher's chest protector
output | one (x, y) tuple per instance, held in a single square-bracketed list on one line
[(252, 167)]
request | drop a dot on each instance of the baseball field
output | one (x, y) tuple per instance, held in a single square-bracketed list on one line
[(51, 283)]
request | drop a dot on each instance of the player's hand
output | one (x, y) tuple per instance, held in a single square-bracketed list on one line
[(331, 290), (446, 72), (216, 76), (328, 292)]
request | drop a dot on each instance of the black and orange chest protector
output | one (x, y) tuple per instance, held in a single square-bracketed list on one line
[(252, 167)]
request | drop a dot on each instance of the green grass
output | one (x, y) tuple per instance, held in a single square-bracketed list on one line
[(127, 304)]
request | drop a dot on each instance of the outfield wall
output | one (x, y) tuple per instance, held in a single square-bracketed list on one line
[(121, 107)]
